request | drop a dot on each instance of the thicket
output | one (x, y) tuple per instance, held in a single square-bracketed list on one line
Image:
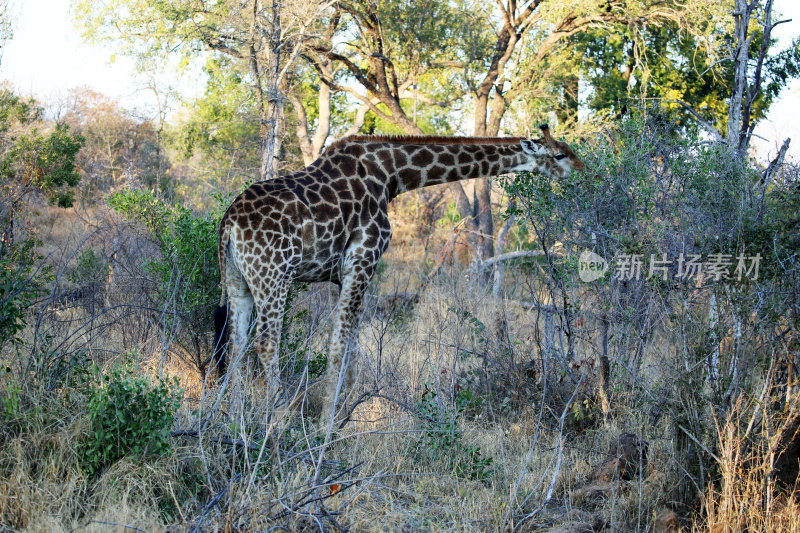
[(186, 270), (694, 319), (709, 361)]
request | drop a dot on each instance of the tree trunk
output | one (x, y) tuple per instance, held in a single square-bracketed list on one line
[(497, 284), (605, 371), (745, 92), (311, 147), (741, 16), (271, 103)]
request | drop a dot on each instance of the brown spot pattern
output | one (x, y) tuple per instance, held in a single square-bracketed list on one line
[(329, 222)]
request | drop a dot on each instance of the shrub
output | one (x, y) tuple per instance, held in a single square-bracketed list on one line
[(187, 270), (656, 196), (19, 285), (442, 439), (129, 415), (90, 266)]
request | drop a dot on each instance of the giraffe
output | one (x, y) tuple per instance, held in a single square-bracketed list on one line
[(329, 222)]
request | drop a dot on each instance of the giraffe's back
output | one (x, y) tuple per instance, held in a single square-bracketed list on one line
[(318, 208)]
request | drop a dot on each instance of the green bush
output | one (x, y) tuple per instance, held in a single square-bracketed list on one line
[(89, 266), (188, 243), (442, 439), (19, 286), (129, 415), (187, 270)]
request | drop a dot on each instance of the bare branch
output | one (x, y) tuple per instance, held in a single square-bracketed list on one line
[(507, 257), (770, 172), (703, 122)]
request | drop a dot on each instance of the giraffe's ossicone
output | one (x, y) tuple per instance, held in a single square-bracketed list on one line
[(329, 222)]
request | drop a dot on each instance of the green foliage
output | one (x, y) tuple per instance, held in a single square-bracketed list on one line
[(19, 286), (9, 402), (45, 162), (70, 372), (661, 61), (129, 415), (654, 60), (476, 327), (780, 69), (188, 262), (221, 124), (450, 217), (14, 109), (422, 31), (30, 161), (89, 266), (442, 439)]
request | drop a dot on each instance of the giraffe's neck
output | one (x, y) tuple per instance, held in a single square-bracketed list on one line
[(405, 165)]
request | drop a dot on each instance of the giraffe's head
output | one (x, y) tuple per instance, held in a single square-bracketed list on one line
[(552, 158)]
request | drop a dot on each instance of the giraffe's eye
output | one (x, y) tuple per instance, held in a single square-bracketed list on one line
[(559, 157)]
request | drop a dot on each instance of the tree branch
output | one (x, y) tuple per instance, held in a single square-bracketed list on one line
[(506, 257), (770, 172), (703, 122)]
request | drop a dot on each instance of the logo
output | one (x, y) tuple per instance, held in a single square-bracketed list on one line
[(591, 266)]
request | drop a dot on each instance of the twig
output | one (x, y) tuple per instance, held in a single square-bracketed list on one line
[(703, 446), (126, 526), (703, 122), (561, 421), (769, 173), (505, 257), (214, 501), (359, 401), (559, 458)]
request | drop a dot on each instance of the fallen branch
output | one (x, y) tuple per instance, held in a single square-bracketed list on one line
[(505, 257)]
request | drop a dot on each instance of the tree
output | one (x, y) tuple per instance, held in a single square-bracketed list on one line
[(683, 63), (117, 146), (36, 158), (218, 133), (747, 90), (262, 38)]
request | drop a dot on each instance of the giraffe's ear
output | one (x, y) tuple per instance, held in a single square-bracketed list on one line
[(531, 147)]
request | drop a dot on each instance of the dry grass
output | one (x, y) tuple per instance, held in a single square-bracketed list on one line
[(747, 497), (410, 459)]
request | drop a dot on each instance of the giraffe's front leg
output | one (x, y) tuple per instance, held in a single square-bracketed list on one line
[(339, 374)]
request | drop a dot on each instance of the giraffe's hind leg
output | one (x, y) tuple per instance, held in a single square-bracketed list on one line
[(240, 304), (240, 309), (339, 374), (272, 291)]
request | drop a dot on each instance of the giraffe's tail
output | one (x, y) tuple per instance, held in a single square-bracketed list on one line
[(221, 331), (218, 360), (222, 251)]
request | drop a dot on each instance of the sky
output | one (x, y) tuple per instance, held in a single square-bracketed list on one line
[(47, 57)]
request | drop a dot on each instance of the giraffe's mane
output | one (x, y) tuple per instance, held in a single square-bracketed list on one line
[(423, 139)]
